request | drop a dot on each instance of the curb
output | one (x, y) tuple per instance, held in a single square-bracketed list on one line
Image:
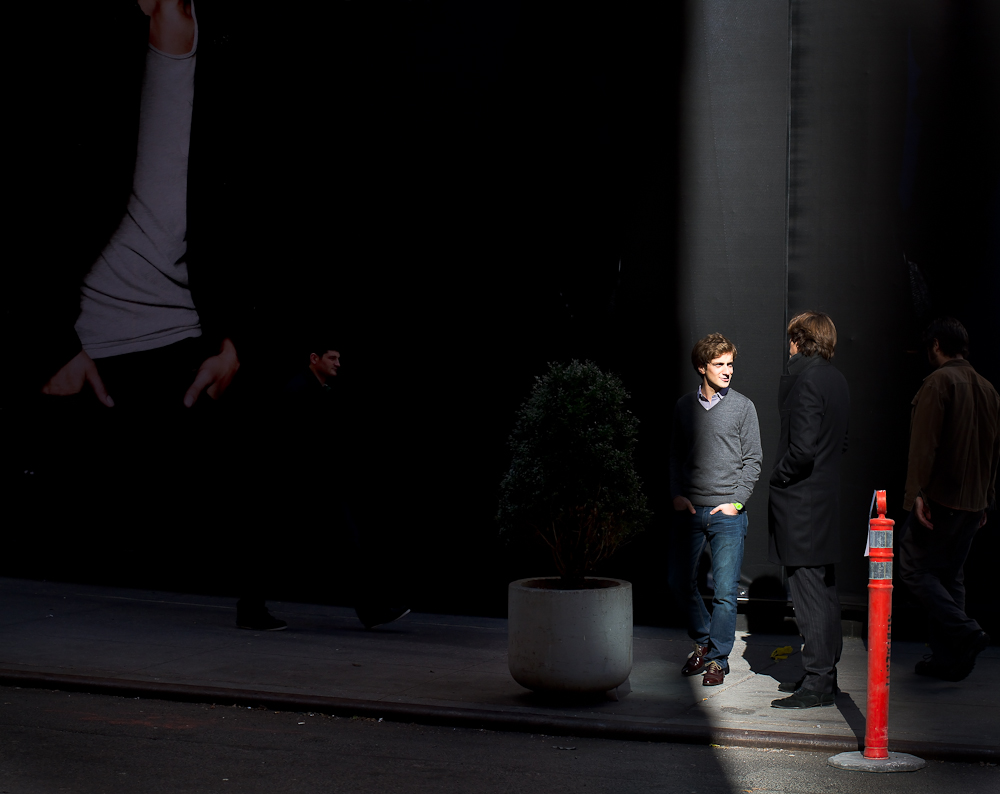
[(493, 720)]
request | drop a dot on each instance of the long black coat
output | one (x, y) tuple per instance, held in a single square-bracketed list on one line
[(804, 502)]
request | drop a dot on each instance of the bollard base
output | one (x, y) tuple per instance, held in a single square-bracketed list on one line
[(896, 762)]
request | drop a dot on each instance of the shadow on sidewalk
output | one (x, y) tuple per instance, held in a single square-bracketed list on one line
[(758, 653)]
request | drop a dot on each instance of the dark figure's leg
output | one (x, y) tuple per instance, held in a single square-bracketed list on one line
[(931, 564), (372, 600), (271, 495), (817, 612)]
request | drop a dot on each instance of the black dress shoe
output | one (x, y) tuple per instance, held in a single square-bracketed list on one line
[(379, 617), (959, 668), (804, 699), (974, 646), (933, 669)]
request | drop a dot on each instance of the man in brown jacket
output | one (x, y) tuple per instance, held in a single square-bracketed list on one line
[(950, 482)]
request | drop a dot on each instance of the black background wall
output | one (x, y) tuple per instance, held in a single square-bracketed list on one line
[(463, 192)]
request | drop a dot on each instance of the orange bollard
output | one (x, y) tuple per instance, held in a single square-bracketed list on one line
[(879, 631), (876, 756)]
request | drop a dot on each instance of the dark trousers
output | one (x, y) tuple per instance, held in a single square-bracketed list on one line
[(817, 613), (931, 564), (333, 549)]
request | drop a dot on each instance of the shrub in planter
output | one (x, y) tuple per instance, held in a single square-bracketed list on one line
[(572, 485), (572, 482)]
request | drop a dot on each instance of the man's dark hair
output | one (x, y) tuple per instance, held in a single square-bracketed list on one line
[(950, 334), (813, 333), (331, 344)]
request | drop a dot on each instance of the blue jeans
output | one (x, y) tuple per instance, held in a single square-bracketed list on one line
[(725, 536)]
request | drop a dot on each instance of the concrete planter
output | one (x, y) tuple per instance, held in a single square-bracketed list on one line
[(569, 640)]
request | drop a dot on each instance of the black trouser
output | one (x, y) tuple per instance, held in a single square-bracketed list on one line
[(303, 492), (323, 545), (931, 564), (817, 613)]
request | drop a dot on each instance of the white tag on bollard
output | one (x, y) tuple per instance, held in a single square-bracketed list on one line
[(868, 534)]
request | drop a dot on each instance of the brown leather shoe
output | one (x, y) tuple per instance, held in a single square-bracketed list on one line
[(714, 674), (696, 661)]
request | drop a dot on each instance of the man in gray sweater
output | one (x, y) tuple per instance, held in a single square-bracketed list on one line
[(715, 459)]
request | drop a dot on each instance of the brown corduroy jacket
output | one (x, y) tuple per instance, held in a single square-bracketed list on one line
[(954, 439)]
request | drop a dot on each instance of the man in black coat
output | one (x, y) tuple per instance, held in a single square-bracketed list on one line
[(804, 502), (315, 491)]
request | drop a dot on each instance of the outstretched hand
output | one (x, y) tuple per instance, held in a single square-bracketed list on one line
[(214, 375), (74, 375)]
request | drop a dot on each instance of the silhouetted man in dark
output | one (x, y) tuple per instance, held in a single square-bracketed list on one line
[(950, 482), (317, 477), (804, 501)]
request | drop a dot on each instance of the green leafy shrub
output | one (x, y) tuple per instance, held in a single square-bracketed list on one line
[(572, 482)]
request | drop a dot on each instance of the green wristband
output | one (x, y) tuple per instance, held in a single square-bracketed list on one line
[(737, 505)]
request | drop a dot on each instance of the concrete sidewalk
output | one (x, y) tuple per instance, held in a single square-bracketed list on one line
[(434, 668)]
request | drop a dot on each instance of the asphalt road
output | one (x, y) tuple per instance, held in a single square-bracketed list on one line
[(59, 742)]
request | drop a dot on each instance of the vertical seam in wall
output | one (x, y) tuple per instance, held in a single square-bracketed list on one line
[(788, 160), (707, 49), (788, 194)]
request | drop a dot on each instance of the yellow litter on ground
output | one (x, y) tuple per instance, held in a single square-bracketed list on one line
[(780, 654)]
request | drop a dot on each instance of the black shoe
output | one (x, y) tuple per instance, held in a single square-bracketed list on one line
[(260, 621), (961, 666), (975, 645), (804, 699), (933, 669), (379, 617)]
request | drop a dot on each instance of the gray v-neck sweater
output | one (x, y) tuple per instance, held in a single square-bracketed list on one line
[(715, 455)]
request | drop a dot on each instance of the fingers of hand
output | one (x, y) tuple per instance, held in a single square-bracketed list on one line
[(219, 386), (68, 380), (202, 379), (94, 379)]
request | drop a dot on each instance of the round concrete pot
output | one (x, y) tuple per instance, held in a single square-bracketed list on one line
[(569, 640)]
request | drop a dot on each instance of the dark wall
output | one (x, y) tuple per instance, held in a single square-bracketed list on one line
[(461, 193), (847, 125), (732, 209)]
